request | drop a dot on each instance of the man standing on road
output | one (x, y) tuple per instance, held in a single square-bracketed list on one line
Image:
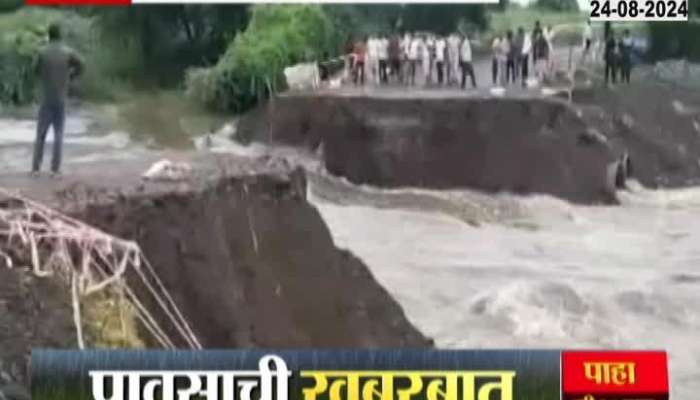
[(383, 51), (440, 49), (517, 51), (513, 49), (548, 34), (395, 56), (466, 62), (540, 56), (414, 56), (626, 56), (611, 58), (405, 59), (373, 58), (587, 41), (56, 65), (496, 59), (359, 56), (427, 58), (525, 55), (453, 58)]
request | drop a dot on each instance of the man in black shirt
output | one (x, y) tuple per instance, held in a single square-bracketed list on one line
[(57, 65), (611, 58)]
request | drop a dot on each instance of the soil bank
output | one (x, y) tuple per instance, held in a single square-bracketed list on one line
[(247, 259), (521, 145)]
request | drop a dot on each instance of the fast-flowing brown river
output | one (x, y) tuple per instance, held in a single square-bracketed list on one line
[(545, 274)]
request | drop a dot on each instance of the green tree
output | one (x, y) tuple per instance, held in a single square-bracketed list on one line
[(676, 39), (169, 38), (558, 5), (253, 64), (364, 19), (443, 18), (10, 5)]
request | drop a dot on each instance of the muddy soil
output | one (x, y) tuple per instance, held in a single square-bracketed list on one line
[(251, 263), (518, 145), (658, 124), (33, 312), (248, 261)]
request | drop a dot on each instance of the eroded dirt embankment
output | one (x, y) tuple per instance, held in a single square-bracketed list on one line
[(248, 261), (251, 263), (519, 145), (658, 124)]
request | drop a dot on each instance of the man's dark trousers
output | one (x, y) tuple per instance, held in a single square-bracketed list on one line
[(51, 114)]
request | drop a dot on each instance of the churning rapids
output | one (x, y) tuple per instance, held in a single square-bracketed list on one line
[(500, 271)]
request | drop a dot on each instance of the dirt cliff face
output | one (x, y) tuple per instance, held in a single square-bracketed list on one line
[(248, 261), (517, 145), (33, 312), (657, 124), (251, 263)]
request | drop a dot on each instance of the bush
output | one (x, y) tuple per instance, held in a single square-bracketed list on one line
[(252, 67), (24, 33), (10, 5)]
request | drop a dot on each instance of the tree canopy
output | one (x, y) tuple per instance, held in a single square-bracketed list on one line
[(558, 5)]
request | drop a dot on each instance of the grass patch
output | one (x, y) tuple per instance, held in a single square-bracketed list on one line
[(110, 322)]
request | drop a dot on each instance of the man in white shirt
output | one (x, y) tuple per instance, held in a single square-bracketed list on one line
[(414, 54), (549, 37), (405, 63), (496, 59), (503, 60), (587, 40), (465, 54), (426, 57), (525, 55), (453, 43), (373, 58), (440, 50), (383, 54)]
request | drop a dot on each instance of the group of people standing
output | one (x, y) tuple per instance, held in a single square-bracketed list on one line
[(618, 55), (513, 52), (442, 60), (448, 60)]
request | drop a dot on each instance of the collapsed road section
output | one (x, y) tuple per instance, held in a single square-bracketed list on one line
[(246, 260), (517, 145)]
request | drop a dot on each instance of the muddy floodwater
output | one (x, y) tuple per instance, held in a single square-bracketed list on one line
[(144, 125), (547, 274), (492, 271)]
